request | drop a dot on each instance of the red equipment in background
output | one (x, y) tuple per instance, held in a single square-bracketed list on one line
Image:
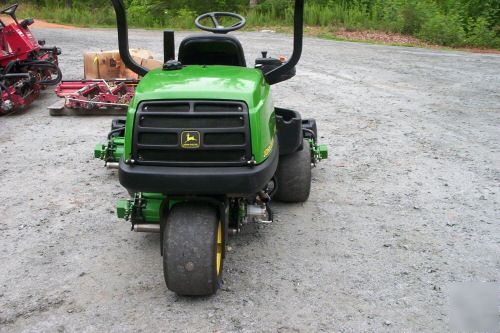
[(26, 66), (94, 97)]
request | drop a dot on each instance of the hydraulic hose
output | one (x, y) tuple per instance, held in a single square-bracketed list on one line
[(9, 67), (41, 64), (46, 65), (114, 131)]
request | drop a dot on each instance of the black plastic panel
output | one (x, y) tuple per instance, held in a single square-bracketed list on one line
[(289, 125), (222, 126)]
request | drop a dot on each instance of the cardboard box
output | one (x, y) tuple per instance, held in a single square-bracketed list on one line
[(141, 53), (126, 73), (152, 63), (147, 63), (90, 65), (108, 64), (102, 65)]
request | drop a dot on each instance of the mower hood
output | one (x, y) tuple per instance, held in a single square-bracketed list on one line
[(203, 82)]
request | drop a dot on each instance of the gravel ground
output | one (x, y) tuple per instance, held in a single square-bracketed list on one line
[(407, 205)]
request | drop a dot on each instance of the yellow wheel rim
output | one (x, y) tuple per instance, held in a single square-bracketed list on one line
[(219, 248)]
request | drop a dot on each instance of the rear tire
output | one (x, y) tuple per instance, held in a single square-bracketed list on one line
[(294, 176), (192, 249)]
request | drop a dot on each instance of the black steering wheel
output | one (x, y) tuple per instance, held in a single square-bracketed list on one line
[(11, 11), (218, 28)]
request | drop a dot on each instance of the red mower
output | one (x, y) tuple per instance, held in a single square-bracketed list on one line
[(26, 66)]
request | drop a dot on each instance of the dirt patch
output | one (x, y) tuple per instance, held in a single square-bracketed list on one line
[(398, 39), (476, 50), (380, 37), (40, 24)]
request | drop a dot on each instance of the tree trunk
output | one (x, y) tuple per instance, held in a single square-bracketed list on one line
[(254, 3), (69, 3)]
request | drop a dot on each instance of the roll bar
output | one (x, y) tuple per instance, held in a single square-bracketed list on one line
[(122, 26), (273, 76)]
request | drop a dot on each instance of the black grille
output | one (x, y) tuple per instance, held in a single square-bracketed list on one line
[(222, 131)]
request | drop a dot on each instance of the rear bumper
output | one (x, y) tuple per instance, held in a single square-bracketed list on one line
[(199, 180)]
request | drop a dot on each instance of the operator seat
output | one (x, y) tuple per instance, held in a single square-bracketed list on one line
[(211, 50)]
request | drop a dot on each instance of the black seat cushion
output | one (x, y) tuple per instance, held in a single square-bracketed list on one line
[(211, 50)]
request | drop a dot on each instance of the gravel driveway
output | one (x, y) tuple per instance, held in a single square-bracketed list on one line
[(407, 205)]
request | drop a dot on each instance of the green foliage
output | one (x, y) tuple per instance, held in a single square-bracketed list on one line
[(443, 30), (415, 13), (75, 16), (447, 22), (481, 35), (185, 18)]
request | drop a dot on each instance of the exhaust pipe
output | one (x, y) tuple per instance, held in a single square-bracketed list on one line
[(122, 26), (154, 228)]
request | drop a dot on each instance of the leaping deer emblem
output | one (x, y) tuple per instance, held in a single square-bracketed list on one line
[(190, 138)]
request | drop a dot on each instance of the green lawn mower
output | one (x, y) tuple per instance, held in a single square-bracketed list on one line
[(203, 149)]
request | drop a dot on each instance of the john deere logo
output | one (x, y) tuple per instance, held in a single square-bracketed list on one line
[(190, 139)]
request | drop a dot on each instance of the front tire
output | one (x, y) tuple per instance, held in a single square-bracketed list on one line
[(294, 176), (192, 249)]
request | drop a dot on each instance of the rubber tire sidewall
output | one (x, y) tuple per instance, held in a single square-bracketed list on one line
[(294, 176), (190, 238)]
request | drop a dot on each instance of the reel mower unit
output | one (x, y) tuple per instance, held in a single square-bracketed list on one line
[(26, 66), (93, 97)]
